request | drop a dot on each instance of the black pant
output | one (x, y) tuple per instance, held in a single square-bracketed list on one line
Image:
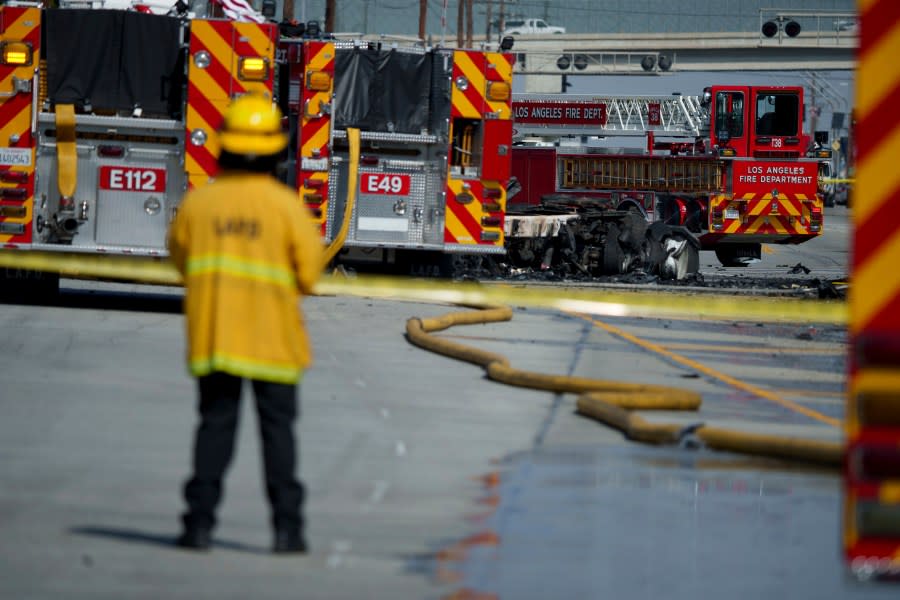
[(219, 406)]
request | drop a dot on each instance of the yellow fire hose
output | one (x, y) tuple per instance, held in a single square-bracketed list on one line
[(611, 402), (338, 242), (66, 154)]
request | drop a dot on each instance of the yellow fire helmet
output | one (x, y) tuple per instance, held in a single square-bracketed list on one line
[(252, 126)]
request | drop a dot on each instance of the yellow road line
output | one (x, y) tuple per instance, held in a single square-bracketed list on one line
[(746, 387), (757, 350), (703, 347), (817, 397)]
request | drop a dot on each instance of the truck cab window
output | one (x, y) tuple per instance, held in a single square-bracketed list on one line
[(730, 114), (777, 114)]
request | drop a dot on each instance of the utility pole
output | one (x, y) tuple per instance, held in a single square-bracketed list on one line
[(501, 20), (288, 10), (470, 24), (487, 19), (443, 21), (329, 16), (423, 11), (460, 10)]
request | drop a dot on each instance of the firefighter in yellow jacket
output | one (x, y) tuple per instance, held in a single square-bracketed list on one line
[(247, 250)]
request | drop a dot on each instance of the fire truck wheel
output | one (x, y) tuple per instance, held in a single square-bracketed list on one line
[(693, 266), (615, 260), (688, 262), (738, 255), (632, 228)]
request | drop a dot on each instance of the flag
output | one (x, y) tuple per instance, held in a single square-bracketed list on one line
[(239, 10)]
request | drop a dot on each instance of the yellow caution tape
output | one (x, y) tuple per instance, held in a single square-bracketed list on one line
[(657, 303), (837, 180), (140, 269), (589, 300)]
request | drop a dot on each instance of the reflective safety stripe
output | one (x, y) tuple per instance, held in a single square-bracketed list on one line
[(240, 267), (245, 367)]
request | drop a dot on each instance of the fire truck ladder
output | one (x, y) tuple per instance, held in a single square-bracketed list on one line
[(656, 174), (669, 116)]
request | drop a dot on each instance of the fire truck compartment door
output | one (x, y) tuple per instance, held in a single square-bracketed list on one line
[(132, 59), (399, 207), (389, 206), (497, 154), (132, 205)]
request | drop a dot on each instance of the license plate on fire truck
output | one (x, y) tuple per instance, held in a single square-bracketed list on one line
[(390, 184), (15, 157)]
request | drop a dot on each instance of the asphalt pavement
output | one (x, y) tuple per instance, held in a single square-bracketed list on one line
[(425, 479)]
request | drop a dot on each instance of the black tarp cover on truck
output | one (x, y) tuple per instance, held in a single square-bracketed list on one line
[(383, 90), (114, 60)]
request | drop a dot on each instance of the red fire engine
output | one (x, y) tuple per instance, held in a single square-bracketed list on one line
[(436, 135), (731, 167)]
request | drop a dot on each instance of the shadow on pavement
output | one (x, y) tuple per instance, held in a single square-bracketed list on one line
[(157, 539), (107, 300)]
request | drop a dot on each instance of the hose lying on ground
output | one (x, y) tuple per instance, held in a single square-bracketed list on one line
[(611, 402)]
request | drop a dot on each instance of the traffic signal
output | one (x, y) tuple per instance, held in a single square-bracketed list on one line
[(792, 29), (664, 62), (771, 28)]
